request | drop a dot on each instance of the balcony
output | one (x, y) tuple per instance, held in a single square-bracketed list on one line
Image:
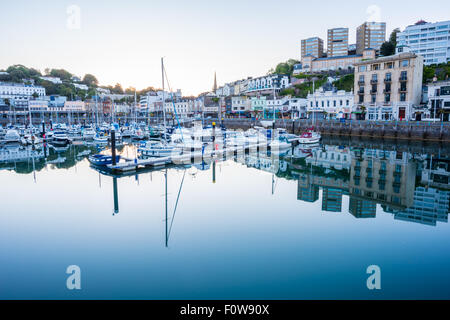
[(361, 82), (387, 80), (374, 81), (403, 79), (387, 91), (402, 90), (361, 91), (373, 91)]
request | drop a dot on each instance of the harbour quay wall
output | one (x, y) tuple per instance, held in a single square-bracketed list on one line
[(394, 130)]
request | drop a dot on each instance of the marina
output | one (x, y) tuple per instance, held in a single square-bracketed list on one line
[(182, 226)]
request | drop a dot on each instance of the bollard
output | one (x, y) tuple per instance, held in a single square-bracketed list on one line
[(43, 130), (113, 146)]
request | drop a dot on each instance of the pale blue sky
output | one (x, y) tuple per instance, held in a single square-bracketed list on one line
[(122, 41)]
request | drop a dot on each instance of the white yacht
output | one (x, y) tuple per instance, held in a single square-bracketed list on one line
[(154, 148), (60, 138), (12, 136), (88, 133)]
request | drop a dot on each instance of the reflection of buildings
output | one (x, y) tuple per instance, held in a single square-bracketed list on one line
[(306, 191), (269, 163), (370, 177), (331, 157), (332, 199), (430, 205), (18, 153), (386, 177), (436, 173), (362, 208)]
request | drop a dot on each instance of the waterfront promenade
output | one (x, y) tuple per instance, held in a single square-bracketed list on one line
[(398, 130)]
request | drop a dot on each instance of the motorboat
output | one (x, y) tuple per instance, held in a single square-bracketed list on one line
[(127, 133), (32, 139), (12, 136), (60, 138), (102, 160), (88, 133), (48, 136), (138, 134), (309, 137), (154, 148), (101, 139)]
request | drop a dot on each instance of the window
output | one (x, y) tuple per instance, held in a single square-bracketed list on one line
[(404, 63), (402, 96), (362, 68), (373, 98), (404, 75)]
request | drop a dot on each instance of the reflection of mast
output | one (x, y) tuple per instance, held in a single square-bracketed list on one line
[(116, 197), (167, 235), (273, 182), (34, 166), (169, 232)]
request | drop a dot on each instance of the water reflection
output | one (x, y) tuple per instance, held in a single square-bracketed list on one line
[(412, 186)]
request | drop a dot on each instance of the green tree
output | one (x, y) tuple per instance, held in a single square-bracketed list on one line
[(61, 73), (90, 80), (345, 83), (387, 49), (117, 89), (393, 36)]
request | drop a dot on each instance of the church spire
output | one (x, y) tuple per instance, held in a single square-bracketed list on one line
[(215, 83)]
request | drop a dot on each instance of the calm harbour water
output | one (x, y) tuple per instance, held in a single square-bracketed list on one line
[(302, 226)]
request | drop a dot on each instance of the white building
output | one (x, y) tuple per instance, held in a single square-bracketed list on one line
[(54, 80), (280, 104), (182, 108), (38, 105), (81, 86), (74, 106), (334, 104), (103, 91), (298, 107), (439, 100), (19, 94), (240, 104), (430, 40), (265, 84)]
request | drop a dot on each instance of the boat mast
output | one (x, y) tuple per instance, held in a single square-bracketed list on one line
[(96, 108), (135, 104), (314, 96), (163, 99)]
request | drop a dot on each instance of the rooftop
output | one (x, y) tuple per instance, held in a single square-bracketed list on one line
[(403, 55)]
